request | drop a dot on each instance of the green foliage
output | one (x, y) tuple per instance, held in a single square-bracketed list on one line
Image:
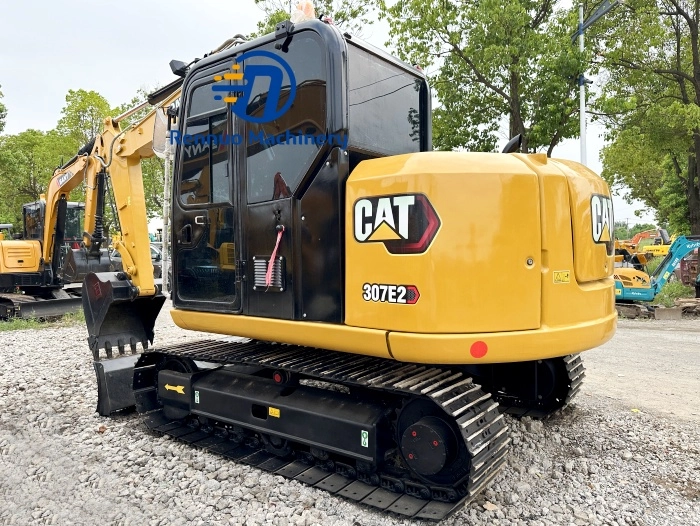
[(625, 232), (82, 118), (649, 105), (621, 230), (27, 163), (653, 263), (20, 324), (272, 18), (494, 60), (627, 166), (3, 113), (672, 291), (348, 15), (673, 204)]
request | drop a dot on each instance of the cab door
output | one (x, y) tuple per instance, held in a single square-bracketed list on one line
[(205, 226)]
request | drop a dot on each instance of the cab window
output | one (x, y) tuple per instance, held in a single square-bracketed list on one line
[(280, 152), (205, 170)]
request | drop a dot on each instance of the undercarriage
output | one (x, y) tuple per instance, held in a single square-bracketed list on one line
[(418, 440)]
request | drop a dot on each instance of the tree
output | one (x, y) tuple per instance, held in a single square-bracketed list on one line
[(621, 230), (348, 15), (82, 118), (650, 105), (496, 60), (27, 163), (673, 205), (3, 113)]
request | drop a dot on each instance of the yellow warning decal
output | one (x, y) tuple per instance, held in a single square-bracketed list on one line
[(180, 389), (562, 276), (273, 411)]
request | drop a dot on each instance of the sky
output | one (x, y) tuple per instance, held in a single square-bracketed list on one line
[(115, 48)]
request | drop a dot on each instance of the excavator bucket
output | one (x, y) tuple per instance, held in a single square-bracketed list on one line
[(116, 317), (78, 264)]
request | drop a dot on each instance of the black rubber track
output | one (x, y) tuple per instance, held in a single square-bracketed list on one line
[(575, 373), (474, 412)]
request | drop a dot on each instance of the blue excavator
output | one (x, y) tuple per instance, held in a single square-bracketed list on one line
[(635, 285)]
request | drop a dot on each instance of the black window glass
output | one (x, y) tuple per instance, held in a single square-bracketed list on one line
[(203, 100), (33, 224), (74, 223), (205, 260), (205, 168), (219, 162), (195, 185), (280, 152), (384, 105)]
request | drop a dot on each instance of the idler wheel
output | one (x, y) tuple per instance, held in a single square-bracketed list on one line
[(427, 444), (431, 444)]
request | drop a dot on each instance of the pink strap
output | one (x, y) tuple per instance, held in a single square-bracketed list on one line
[(268, 274)]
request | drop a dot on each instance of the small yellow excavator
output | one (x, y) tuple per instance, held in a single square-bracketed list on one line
[(33, 278), (372, 279)]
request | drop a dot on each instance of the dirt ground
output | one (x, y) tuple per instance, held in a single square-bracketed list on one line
[(649, 365)]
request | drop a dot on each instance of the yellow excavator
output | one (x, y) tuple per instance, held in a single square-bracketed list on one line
[(393, 301), (34, 278)]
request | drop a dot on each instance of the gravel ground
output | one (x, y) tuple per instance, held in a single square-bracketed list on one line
[(617, 456)]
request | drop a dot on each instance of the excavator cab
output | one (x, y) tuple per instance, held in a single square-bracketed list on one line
[(269, 166), (262, 162)]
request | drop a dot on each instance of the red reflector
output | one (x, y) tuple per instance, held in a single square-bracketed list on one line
[(478, 349), (277, 377)]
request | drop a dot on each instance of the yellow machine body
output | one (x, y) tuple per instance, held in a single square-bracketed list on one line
[(657, 250), (504, 277), (632, 278), (19, 256)]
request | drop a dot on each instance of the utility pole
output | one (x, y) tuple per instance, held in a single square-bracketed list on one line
[(603, 8), (582, 89)]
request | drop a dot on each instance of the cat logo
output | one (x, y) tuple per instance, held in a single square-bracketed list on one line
[(602, 221), (405, 223)]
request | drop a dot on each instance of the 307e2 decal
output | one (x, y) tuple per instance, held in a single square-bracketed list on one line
[(379, 292)]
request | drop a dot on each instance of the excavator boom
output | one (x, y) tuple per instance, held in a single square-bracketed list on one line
[(121, 307)]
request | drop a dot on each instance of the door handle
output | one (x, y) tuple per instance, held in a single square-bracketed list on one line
[(200, 220), (186, 235)]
